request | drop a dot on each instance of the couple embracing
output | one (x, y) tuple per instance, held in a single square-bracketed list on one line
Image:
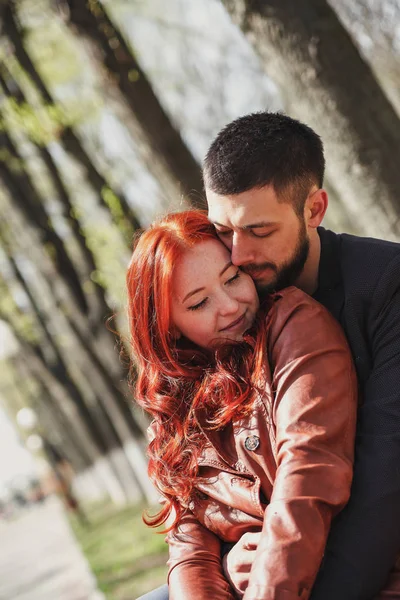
[(267, 352)]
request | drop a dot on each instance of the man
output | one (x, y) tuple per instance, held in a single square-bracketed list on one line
[(263, 176)]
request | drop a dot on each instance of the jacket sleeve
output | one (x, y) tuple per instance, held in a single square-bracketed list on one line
[(195, 567), (314, 412), (365, 538)]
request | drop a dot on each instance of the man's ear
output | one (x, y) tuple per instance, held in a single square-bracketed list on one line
[(315, 208)]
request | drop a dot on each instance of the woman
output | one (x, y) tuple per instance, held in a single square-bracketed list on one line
[(253, 412)]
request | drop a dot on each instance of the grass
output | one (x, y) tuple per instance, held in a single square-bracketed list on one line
[(127, 558)]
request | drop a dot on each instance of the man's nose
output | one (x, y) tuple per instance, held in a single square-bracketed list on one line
[(241, 251)]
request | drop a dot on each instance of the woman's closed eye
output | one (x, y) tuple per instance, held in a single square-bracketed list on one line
[(234, 278), (203, 302), (198, 305)]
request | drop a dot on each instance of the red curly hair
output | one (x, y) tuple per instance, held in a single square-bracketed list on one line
[(174, 378)]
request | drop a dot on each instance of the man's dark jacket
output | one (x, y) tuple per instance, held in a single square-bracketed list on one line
[(359, 282)]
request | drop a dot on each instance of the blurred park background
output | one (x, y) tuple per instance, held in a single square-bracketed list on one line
[(107, 109)]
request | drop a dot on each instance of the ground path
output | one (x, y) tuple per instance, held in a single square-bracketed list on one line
[(40, 558)]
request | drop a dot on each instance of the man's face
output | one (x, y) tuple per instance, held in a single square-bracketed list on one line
[(267, 239)]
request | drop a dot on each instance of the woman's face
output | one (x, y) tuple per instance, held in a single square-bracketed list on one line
[(212, 300)]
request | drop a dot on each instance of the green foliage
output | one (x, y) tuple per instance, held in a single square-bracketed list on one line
[(61, 62), (112, 202), (94, 7), (115, 208), (54, 50), (13, 162), (106, 244), (40, 126), (127, 557), (43, 124), (22, 323)]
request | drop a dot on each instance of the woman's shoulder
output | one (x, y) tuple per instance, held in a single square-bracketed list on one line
[(293, 298), (296, 312)]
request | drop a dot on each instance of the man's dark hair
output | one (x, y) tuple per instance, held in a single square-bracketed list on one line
[(266, 149)]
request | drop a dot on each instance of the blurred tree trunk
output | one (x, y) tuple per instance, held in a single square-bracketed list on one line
[(68, 213), (92, 21), (68, 139), (93, 413), (73, 146), (12, 90), (118, 404), (112, 425), (103, 469), (52, 421), (84, 338), (92, 418), (112, 385), (100, 443), (109, 408), (327, 84), (24, 194), (56, 426), (103, 407)]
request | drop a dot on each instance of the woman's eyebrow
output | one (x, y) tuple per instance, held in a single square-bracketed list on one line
[(192, 293), (226, 267), (200, 289)]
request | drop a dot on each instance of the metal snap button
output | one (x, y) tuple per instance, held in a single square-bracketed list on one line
[(252, 442)]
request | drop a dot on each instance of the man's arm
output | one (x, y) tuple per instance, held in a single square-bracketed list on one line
[(365, 537)]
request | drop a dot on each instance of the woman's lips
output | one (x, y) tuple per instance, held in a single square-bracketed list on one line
[(235, 323)]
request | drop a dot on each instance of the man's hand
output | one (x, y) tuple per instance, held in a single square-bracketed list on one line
[(237, 563)]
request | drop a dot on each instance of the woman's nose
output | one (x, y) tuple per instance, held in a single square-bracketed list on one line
[(228, 305)]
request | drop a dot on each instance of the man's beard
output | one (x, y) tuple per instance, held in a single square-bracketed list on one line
[(287, 273)]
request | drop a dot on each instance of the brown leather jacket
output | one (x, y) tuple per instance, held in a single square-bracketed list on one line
[(285, 470)]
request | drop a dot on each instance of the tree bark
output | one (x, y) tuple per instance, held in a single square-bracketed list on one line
[(92, 20), (103, 469), (327, 84), (87, 344), (12, 88), (68, 138), (24, 194), (111, 418), (94, 418), (84, 340)]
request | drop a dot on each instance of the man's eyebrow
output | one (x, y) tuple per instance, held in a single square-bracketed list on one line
[(258, 225), (250, 226), (200, 289), (219, 224)]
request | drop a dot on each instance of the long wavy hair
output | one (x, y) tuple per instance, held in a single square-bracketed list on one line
[(173, 379)]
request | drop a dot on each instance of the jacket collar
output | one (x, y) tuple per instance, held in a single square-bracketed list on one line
[(330, 290), (329, 275), (214, 452)]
